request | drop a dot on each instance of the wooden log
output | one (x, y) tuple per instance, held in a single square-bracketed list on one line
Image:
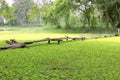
[(14, 44), (83, 38), (36, 41), (17, 45), (8, 42), (75, 38), (55, 39), (42, 40), (116, 35), (105, 36), (67, 37), (95, 37), (30, 42), (59, 40), (48, 41), (13, 41)]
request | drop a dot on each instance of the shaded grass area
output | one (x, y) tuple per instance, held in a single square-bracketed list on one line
[(96, 59), (52, 29)]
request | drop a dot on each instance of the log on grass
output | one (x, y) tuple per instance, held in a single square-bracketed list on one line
[(16, 45), (12, 41), (13, 44), (55, 39), (36, 41), (75, 38), (42, 40), (46, 39)]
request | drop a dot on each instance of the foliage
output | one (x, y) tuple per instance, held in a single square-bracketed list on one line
[(61, 9), (110, 10), (22, 8), (5, 10), (88, 13), (34, 14), (50, 17)]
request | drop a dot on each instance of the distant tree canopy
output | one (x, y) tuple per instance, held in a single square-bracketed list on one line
[(67, 13), (21, 11), (90, 12), (5, 10)]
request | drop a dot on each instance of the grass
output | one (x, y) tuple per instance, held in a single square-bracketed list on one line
[(33, 33), (94, 59)]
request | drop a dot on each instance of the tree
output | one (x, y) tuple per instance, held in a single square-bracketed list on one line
[(88, 12), (22, 8), (110, 10), (61, 9), (5, 10), (50, 17), (114, 12), (34, 14)]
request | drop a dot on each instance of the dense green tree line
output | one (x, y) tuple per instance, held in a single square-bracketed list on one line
[(68, 12), (91, 12)]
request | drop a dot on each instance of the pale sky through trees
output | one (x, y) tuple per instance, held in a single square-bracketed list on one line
[(10, 2)]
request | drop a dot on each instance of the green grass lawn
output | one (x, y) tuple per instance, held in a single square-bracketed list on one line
[(93, 59)]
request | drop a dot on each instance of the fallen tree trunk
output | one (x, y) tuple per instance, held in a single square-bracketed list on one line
[(75, 38), (17, 45), (55, 39), (14, 44)]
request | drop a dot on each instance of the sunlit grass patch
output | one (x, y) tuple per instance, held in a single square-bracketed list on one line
[(32, 33)]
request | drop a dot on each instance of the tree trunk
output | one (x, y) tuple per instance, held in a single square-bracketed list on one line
[(101, 16), (57, 24), (119, 31), (89, 20), (67, 21), (107, 16)]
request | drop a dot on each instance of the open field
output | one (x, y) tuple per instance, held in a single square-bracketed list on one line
[(33, 33), (93, 59)]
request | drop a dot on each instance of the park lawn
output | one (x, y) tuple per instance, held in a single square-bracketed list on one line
[(93, 59), (34, 33)]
